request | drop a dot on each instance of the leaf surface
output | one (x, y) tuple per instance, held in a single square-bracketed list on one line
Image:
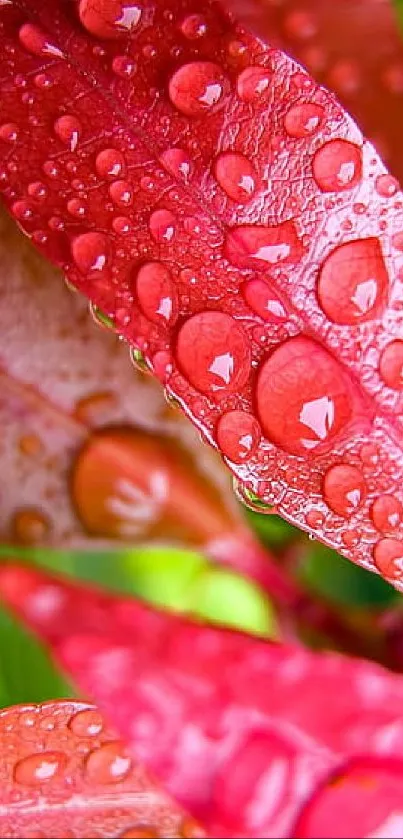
[(254, 263), (236, 728)]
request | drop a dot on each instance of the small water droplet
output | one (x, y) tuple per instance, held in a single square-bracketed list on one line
[(253, 83), (30, 526), (386, 185), (194, 27), (391, 365), (68, 128), (122, 225), (250, 500), (121, 193), (124, 66), (35, 41), (38, 769), (387, 514), (344, 489), (337, 166), (198, 88), (110, 19), (100, 318), (238, 435), (37, 190), (90, 252), (110, 164), (138, 360), (76, 207), (162, 225), (9, 132), (254, 245), (236, 175), (108, 765), (388, 557), (262, 300), (30, 444), (314, 519), (177, 162), (156, 293), (213, 353), (87, 723), (353, 281), (303, 120)]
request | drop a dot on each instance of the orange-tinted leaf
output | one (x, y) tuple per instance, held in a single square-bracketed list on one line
[(64, 773)]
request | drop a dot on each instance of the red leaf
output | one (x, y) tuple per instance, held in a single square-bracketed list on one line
[(110, 120), (65, 774), (354, 47), (239, 730)]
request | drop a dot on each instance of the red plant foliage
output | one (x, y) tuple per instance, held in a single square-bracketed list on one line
[(253, 738), (255, 262), (64, 773)]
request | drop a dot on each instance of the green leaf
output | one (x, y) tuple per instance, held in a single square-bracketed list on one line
[(271, 529), (228, 599)]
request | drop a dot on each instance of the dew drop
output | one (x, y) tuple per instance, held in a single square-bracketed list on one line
[(87, 723), (38, 769), (250, 500), (337, 166), (198, 88), (301, 397), (391, 365), (30, 445), (353, 281), (236, 176), (68, 128), (108, 765), (260, 298), (388, 557), (177, 162), (213, 353), (29, 526), (123, 66), (100, 318), (252, 83), (110, 19), (37, 190), (344, 489), (110, 164), (35, 41), (9, 132), (121, 193), (22, 210), (156, 293), (303, 120), (90, 252), (193, 27), (387, 514), (238, 435), (314, 519), (162, 365), (248, 246), (386, 186), (138, 360), (76, 207), (51, 169), (162, 225), (122, 225)]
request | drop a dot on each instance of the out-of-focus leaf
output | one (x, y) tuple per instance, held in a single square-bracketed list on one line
[(242, 731), (64, 773), (343, 583), (272, 529), (230, 600)]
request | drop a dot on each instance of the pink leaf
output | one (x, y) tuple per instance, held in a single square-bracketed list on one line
[(64, 774), (241, 731), (197, 158)]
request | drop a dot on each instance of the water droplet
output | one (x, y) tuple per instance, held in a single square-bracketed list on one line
[(110, 19), (337, 166), (391, 365), (90, 252), (121, 193), (248, 246), (110, 164), (350, 538), (68, 128), (76, 207), (344, 489), (253, 83), (353, 281), (51, 169), (303, 120), (38, 769), (124, 66), (87, 723), (238, 435), (193, 27), (30, 445), (22, 210), (369, 454), (388, 557), (108, 765), (250, 500), (386, 185), (177, 162), (301, 397), (37, 190), (9, 132), (156, 293), (122, 225), (236, 176), (30, 526), (162, 225), (138, 360), (35, 41), (43, 81), (162, 366), (213, 353), (140, 832), (100, 318), (314, 519), (387, 514), (262, 300), (198, 88)]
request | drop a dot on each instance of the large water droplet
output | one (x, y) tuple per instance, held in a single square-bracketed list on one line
[(387, 514), (68, 128), (110, 164), (35, 41), (156, 293), (213, 353), (86, 723), (253, 83), (38, 769), (391, 365), (198, 88), (90, 252), (238, 435), (109, 18), (301, 397), (248, 246), (162, 225), (388, 556), (262, 300), (303, 120), (344, 489), (353, 281), (337, 166), (236, 176), (109, 764)]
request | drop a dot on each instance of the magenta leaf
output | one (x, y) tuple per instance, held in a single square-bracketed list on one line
[(64, 774), (252, 258), (243, 732)]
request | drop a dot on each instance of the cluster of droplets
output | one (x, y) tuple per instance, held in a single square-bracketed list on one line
[(298, 397)]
